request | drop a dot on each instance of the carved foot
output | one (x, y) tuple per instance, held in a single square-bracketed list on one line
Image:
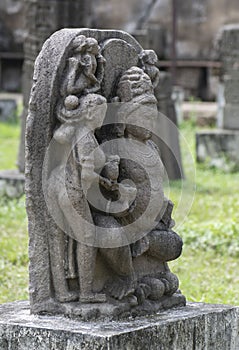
[(92, 298), (67, 297), (156, 286), (170, 281), (122, 287)]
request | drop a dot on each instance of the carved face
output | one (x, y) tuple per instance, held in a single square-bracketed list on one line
[(92, 46), (90, 62)]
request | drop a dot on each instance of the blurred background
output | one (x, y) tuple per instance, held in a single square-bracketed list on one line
[(188, 37), (181, 33)]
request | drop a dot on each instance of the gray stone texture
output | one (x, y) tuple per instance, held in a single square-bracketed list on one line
[(231, 116), (130, 277), (228, 49), (231, 86), (197, 326)]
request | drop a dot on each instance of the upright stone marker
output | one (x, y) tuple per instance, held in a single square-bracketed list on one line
[(222, 145), (229, 55)]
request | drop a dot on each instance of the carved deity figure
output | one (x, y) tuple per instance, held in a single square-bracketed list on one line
[(85, 67), (136, 89), (101, 243)]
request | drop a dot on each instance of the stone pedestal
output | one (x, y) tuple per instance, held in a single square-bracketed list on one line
[(12, 183), (196, 326), (219, 147)]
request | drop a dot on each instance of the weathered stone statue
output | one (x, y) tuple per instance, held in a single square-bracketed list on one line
[(100, 226)]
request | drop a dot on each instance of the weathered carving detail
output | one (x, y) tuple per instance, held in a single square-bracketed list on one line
[(107, 230), (148, 60)]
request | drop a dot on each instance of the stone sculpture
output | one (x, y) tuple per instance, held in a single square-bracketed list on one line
[(100, 226)]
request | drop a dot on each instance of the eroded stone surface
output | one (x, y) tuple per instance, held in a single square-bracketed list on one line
[(101, 230), (197, 326)]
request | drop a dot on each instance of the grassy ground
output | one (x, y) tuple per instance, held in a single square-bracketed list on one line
[(9, 140), (13, 251), (13, 226), (208, 266)]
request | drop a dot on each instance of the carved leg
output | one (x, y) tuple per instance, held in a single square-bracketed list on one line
[(72, 269), (57, 256), (86, 256), (120, 261)]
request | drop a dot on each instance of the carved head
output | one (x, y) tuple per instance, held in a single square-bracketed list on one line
[(148, 56), (139, 110), (81, 44)]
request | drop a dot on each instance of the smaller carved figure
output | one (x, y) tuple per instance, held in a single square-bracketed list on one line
[(85, 68), (81, 117), (148, 59)]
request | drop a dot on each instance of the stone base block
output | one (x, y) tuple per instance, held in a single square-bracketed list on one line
[(197, 326), (12, 183), (219, 147)]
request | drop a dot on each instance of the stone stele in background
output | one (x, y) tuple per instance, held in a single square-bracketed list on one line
[(219, 147), (100, 226)]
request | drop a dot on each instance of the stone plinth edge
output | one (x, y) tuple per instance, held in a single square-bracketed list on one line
[(197, 326)]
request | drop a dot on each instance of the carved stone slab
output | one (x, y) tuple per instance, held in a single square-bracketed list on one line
[(100, 227)]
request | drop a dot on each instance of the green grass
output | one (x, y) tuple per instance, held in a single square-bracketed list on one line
[(13, 225), (13, 251), (9, 141), (208, 267)]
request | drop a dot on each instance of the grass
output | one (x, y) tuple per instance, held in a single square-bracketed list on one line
[(9, 141), (208, 267), (207, 219), (13, 225), (13, 251)]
